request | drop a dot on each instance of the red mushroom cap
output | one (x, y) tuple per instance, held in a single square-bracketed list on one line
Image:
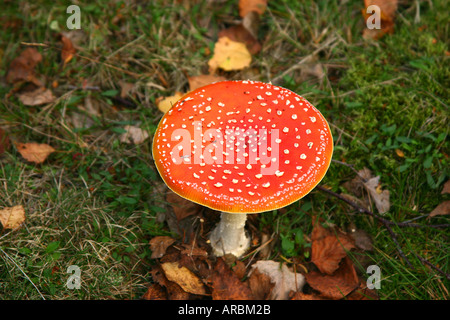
[(242, 146)]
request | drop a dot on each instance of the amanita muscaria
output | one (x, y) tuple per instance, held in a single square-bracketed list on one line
[(242, 147)]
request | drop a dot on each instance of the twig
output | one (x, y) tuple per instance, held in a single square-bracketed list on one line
[(425, 261), (370, 213), (387, 225)]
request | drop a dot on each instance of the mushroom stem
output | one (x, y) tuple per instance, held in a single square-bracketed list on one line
[(229, 236)]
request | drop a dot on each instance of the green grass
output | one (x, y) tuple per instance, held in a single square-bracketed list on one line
[(97, 202)]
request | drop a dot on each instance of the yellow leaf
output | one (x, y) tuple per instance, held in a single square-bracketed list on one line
[(182, 276), (164, 104), (230, 55), (13, 217), (400, 153), (35, 152)]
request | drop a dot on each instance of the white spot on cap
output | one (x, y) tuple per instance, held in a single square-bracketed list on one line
[(303, 156)]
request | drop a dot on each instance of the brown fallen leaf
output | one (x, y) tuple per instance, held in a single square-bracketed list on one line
[(36, 97), (185, 278), (226, 285), (337, 285), (13, 217), (182, 207), (229, 55), (68, 51), (239, 33), (4, 141), (328, 248), (441, 210), (306, 296), (173, 290), (22, 67), (246, 6), (34, 152), (155, 292), (282, 277), (196, 82), (159, 245), (133, 135), (446, 188), (388, 9), (260, 285), (165, 103)]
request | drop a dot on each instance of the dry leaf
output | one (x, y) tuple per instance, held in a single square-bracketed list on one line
[(261, 285), (381, 199), (34, 152), (229, 55), (226, 285), (164, 104), (68, 50), (185, 278), (387, 17), (155, 292), (445, 189), (338, 285), (182, 207), (196, 82), (36, 97), (441, 210), (22, 67), (4, 141), (13, 217), (329, 248), (134, 135), (239, 33), (282, 277), (159, 245), (246, 6)]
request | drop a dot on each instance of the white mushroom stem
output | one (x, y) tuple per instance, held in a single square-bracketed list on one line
[(229, 236)]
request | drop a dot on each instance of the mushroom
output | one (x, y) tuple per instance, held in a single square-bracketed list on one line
[(242, 147)]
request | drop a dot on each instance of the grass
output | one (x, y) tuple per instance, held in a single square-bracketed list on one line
[(97, 202)]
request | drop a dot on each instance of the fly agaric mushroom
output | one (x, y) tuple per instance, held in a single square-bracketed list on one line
[(242, 147)]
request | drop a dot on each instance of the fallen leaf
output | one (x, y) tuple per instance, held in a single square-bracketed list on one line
[(362, 240), (68, 50), (34, 152), (36, 97), (182, 207), (328, 248), (196, 82), (229, 55), (446, 188), (246, 6), (133, 135), (441, 210), (226, 285), (185, 278), (174, 291), (4, 141), (337, 285), (159, 245), (400, 153), (260, 285), (126, 88), (282, 277), (306, 296), (239, 33), (381, 199), (13, 217), (388, 9), (22, 67), (155, 292), (164, 104)]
